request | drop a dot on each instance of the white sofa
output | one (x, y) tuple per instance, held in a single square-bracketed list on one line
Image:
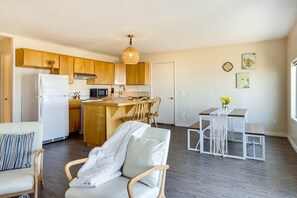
[(22, 181), (122, 187)]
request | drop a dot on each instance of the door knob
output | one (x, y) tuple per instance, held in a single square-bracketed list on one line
[(171, 98)]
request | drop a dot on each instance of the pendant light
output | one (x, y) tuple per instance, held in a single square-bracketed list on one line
[(130, 55)]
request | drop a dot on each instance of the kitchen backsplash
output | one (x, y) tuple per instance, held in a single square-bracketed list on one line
[(83, 88)]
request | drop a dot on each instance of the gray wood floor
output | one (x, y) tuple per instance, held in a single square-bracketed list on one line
[(193, 174)]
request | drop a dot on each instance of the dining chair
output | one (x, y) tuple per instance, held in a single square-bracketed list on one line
[(154, 110), (140, 111)]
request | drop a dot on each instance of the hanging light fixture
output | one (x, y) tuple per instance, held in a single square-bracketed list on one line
[(130, 55)]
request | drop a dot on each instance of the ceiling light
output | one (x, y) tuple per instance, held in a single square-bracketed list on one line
[(130, 55)]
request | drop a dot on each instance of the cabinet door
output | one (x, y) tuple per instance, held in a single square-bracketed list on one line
[(104, 72), (28, 58), (89, 66), (120, 74), (50, 57), (131, 72), (79, 65), (143, 74), (109, 73), (74, 120), (66, 67)]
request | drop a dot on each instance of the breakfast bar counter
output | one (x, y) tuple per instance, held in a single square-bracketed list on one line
[(102, 117)]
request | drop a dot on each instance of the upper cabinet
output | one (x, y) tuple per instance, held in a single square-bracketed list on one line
[(84, 66), (104, 72), (36, 59), (138, 74), (119, 74), (66, 67)]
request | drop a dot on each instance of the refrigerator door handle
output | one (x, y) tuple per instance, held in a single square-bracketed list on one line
[(41, 106)]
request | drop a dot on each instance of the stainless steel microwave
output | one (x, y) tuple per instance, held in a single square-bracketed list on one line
[(98, 93)]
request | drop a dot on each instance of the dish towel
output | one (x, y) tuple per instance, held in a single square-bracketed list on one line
[(104, 163)]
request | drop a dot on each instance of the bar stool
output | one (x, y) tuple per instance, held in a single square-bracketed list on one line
[(140, 111), (154, 110)]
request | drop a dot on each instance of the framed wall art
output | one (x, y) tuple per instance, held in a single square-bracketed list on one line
[(248, 61), (242, 80)]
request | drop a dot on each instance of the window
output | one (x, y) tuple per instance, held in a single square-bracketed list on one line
[(294, 89)]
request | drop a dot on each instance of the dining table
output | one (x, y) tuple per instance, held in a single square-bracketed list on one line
[(223, 125)]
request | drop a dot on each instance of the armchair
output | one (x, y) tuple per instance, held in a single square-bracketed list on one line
[(16, 182), (124, 186)]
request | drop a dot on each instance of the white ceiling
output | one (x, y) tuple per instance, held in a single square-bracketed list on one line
[(158, 25)]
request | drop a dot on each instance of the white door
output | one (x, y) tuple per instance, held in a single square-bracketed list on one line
[(163, 86), (6, 88)]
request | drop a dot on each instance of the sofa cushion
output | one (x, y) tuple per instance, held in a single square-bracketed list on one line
[(115, 188), (143, 154), (17, 180), (15, 151)]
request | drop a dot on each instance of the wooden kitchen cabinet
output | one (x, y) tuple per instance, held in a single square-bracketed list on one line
[(36, 59), (29, 58), (66, 67), (74, 115), (104, 72), (89, 66), (84, 66), (119, 74), (46, 57), (138, 74)]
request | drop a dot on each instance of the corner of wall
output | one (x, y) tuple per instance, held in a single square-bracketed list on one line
[(292, 143)]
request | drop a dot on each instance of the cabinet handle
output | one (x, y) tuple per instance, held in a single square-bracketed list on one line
[(5, 99), (171, 98)]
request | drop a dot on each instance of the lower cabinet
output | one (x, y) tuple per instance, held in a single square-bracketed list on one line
[(74, 115)]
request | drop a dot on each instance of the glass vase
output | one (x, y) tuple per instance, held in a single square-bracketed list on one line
[(224, 107)]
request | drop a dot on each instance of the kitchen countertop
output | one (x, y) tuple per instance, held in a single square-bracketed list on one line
[(116, 102)]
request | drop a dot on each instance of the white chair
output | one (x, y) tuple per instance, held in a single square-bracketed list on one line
[(25, 180), (122, 186)]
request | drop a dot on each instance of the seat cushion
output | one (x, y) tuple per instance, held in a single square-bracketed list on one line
[(17, 180), (115, 188)]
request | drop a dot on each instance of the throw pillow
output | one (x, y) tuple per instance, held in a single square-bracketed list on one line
[(15, 151), (143, 154)]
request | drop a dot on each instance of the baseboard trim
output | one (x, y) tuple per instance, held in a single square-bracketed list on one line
[(276, 134), (292, 143)]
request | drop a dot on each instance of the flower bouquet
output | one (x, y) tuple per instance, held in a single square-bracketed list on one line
[(225, 101)]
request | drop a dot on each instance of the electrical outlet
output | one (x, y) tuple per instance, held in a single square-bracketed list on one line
[(274, 122)]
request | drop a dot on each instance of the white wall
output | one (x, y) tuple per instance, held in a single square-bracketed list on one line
[(201, 81), (23, 42), (292, 54)]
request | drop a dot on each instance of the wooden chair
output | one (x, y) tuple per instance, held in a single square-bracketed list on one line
[(128, 187), (140, 111), (154, 110), (21, 181)]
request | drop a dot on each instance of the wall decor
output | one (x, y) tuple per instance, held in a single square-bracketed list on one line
[(248, 61), (227, 66), (242, 80)]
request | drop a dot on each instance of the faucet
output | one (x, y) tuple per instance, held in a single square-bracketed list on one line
[(121, 90)]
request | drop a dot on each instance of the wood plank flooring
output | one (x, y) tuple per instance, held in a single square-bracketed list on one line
[(192, 174)]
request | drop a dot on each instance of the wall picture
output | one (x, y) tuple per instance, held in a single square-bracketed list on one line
[(248, 61), (242, 80)]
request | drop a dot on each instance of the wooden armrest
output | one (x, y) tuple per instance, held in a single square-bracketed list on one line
[(136, 178), (72, 163), (36, 155)]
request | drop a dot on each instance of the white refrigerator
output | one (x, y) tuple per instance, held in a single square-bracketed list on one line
[(45, 99)]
